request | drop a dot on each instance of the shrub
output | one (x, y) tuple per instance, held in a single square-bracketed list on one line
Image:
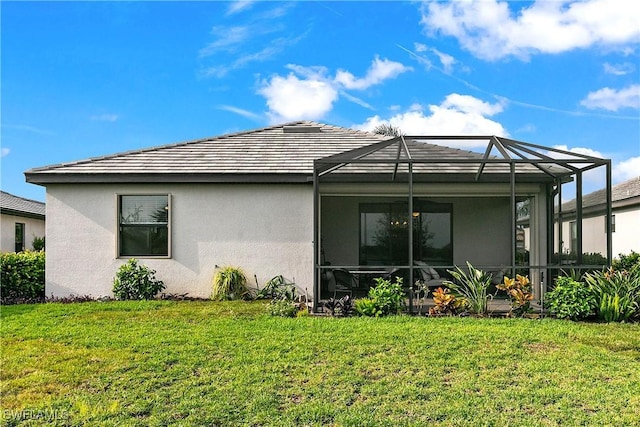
[(21, 276), (135, 281), (473, 287), (367, 307), (282, 308), (230, 283), (617, 293), (278, 288), (384, 298), (626, 262), (340, 306), (570, 299), (37, 243), (444, 302), (520, 294)]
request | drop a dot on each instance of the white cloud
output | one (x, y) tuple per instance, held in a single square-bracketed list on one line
[(309, 92), (239, 6), (619, 69), (290, 98), (4, 152), (579, 150), (612, 99), (228, 39), (105, 117), (626, 169), (380, 70), (456, 115), (240, 111), (491, 30)]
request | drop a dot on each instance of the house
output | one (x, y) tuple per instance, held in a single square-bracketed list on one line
[(22, 220), (306, 200), (625, 220)]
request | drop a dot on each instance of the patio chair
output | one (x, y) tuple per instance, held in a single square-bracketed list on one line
[(345, 282)]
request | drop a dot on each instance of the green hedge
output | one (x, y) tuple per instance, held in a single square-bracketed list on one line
[(22, 276)]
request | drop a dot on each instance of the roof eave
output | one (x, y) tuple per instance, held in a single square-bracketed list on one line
[(42, 178)]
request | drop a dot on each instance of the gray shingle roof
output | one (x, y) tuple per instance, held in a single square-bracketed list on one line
[(20, 206), (284, 149), (620, 192), (286, 153)]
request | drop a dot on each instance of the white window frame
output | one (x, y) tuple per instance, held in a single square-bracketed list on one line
[(169, 227)]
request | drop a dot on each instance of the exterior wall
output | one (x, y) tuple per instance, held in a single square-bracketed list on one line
[(33, 228), (625, 239), (265, 229), (627, 235)]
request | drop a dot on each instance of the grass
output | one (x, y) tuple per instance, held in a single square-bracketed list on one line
[(226, 363)]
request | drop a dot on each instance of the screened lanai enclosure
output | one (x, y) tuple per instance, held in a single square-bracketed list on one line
[(414, 207)]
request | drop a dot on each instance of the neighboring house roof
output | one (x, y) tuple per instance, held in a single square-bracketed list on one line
[(623, 194), (282, 153), (19, 206)]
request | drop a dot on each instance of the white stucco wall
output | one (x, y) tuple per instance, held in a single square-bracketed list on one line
[(265, 229), (594, 239), (33, 228), (627, 235)]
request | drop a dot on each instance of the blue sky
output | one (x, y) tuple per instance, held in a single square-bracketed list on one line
[(84, 79)]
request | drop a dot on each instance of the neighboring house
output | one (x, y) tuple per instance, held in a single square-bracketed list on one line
[(22, 220), (303, 200), (625, 224)]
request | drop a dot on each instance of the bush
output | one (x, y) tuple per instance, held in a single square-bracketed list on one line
[(282, 308), (570, 299), (473, 287), (384, 298), (367, 307), (520, 294), (617, 293), (135, 281), (626, 262), (37, 243), (21, 276), (230, 283), (445, 303), (278, 288)]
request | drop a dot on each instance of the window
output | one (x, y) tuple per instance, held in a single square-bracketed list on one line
[(19, 237), (384, 233), (613, 223), (144, 225), (573, 236)]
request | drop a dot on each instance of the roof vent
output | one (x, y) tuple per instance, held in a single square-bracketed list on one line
[(301, 129)]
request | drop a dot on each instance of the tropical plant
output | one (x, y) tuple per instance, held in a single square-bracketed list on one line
[(367, 307), (384, 298), (520, 294), (282, 308), (136, 281), (230, 283), (444, 302), (340, 306), (570, 299), (473, 287), (279, 288), (387, 129), (626, 262), (617, 293)]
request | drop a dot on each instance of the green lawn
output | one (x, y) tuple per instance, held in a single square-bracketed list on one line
[(208, 363)]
